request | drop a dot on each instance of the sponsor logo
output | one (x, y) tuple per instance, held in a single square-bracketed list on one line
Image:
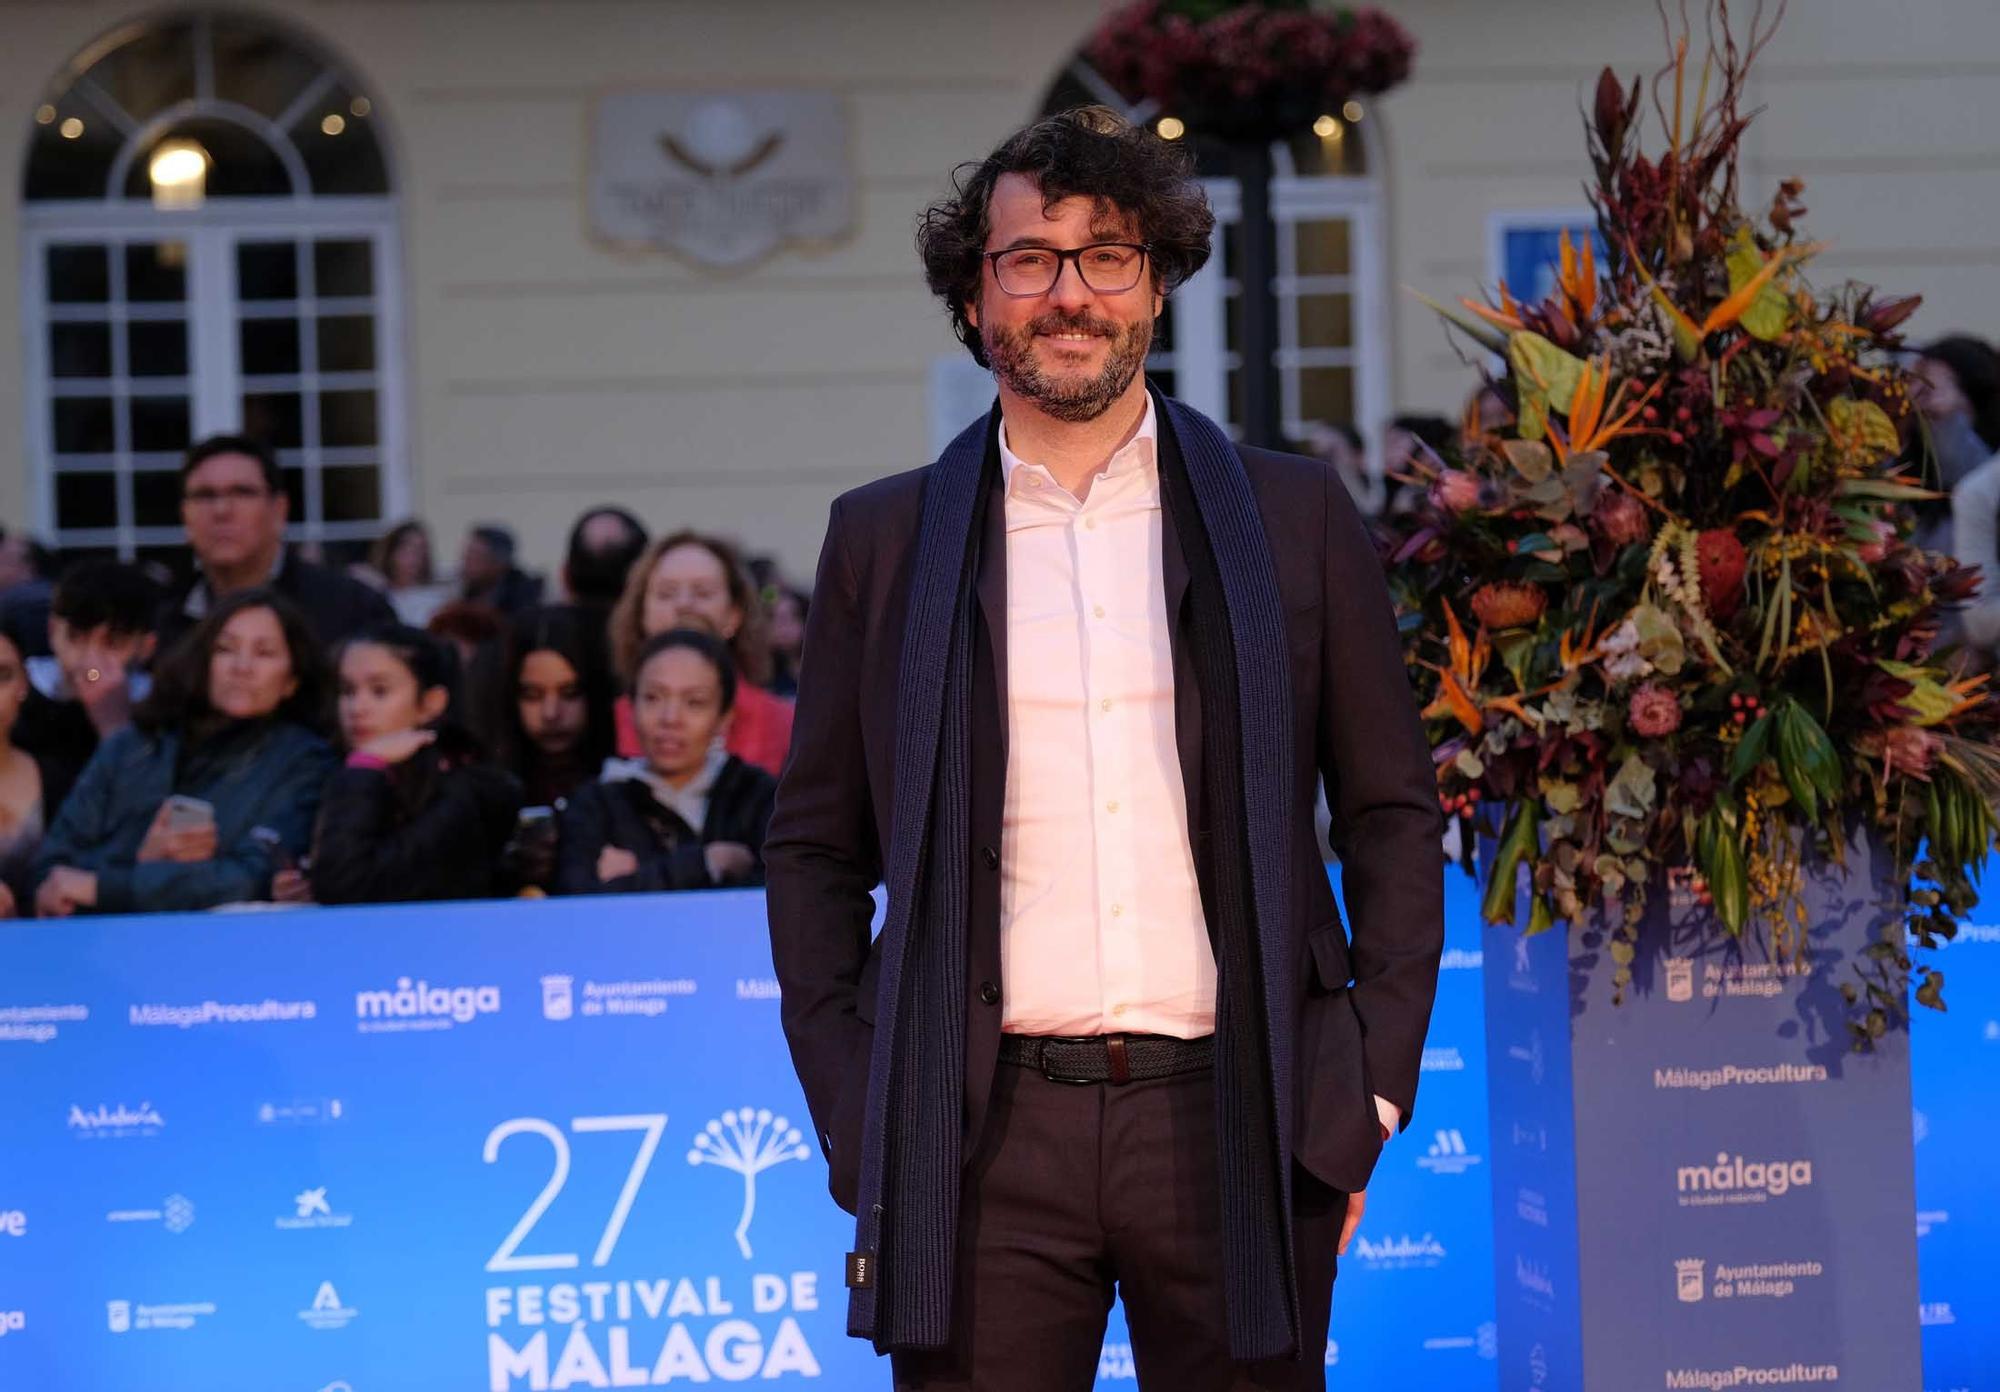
[(1398, 1252), (1714, 1379), (1535, 1282), (1444, 1059), (12, 1322), (1530, 1137), (1737, 1075), (301, 1111), (1920, 1127), (1532, 1055), (647, 999), (1988, 933), (326, 1311), (418, 1005), (262, 1012), (1680, 979), (38, 1024), (125, 1316), (747, 1143), (1461, 959), (1538, 1366), (1935, 1312), (175, 1214), (1521, 976), (1488, 1335), (1447, 1154), (115, 1122), (1928, 1218), (1114, 1364), (1734, 1180), (13, 1222), (310, 1209), (1531, 1206), (1726, 981), (1689, 1284), (757, 988), (558, 999)]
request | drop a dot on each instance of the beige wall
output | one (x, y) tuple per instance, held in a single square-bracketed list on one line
[(545, 372)]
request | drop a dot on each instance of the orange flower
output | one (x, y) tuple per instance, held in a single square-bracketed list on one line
[(1579, 278), (1503, 604), (1591, 422)]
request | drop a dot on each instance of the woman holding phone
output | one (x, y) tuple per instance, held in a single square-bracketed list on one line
[(222, 762)]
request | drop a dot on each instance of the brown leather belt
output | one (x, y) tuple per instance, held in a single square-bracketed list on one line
[(1107, 1058)]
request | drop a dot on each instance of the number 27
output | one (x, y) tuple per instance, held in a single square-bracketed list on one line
[(504, 1257)]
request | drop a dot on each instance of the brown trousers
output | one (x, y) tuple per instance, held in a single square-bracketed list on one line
[(1082, 1190)]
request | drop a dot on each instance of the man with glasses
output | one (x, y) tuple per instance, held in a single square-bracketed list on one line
[(1070, 693), (234, 506)]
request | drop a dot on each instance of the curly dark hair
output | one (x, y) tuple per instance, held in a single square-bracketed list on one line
[(1091, 152)]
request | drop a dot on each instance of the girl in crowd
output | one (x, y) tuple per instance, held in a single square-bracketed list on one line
[(686, 814), (549, 719), (21, 787), (416, 813), (688, 580), (217, 777)]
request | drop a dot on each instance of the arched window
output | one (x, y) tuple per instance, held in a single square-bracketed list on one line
[(1326, 198), (209, 245)]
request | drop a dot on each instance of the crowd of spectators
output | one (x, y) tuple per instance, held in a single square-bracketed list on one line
[(273, 730)]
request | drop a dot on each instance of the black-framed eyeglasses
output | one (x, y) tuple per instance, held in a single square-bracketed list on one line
[(1108, 268), (241, 495)]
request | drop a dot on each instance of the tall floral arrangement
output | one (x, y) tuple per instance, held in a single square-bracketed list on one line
[(1667, 615)]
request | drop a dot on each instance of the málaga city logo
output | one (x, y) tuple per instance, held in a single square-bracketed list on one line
[(418, 1005)]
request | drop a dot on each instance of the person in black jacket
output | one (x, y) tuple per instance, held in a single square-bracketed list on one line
[(417, 813), (234, 506), (685, 814)]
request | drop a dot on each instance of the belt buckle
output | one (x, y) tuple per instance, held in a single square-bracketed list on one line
[(1049, 1070)]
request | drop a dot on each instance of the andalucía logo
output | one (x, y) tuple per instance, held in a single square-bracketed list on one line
[(326, 1311), (115, 1122), (418, 1005), (1400, 1251)]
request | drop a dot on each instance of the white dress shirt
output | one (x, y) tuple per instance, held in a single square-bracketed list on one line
[(1101, 924), (1101, 927)]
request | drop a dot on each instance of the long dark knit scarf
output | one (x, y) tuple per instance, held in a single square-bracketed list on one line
[(910, 1152)]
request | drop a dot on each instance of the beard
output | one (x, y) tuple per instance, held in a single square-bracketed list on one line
[(1072, 397)]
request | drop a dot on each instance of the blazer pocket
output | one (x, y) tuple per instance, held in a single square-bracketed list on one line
[(1334, 1134)]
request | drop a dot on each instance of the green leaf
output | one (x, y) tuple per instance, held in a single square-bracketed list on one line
[(1889, 490), (1719, 851), (1792, 762), (1770, 311), (1516, 842), (1544, 376), (1750, 751)]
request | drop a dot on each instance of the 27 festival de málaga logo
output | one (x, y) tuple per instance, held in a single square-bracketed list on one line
[(728, 1323)]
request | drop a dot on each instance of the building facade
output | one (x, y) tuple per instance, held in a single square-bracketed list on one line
[(396, 268)]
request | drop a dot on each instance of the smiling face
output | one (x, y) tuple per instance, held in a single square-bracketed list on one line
[(250, 667), (677, 705), (1071, 352)]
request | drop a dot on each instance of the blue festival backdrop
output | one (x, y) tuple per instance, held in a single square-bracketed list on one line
[(559, 1145)]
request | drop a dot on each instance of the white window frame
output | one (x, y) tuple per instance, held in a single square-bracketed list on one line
[(215, 381)]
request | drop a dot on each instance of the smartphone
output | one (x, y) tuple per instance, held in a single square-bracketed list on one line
[(531, 818), (187, 813), (274, 847)]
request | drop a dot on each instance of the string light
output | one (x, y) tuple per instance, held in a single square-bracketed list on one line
[(1352, 111), (1326, 127), (334, 124), (71, 128), (1172, 128)]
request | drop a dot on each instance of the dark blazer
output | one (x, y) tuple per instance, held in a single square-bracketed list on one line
[(626, 814), (270, 778), (431, 828), (1364, 994), (336, 606)]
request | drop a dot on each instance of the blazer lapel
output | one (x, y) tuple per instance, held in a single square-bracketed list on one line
[(991, 585), (1187, 693)]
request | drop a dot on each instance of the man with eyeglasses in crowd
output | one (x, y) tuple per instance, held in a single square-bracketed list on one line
[(234, 507), (1070, 692)]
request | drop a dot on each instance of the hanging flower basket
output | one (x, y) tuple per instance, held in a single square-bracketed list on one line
[(1251, 72)]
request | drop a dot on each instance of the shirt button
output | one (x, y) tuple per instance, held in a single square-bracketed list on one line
[(1117, 910), (1111, 806), (1098, 612), (990, 856), (1117, 1010), (1105, 704), (989, 993), (1090, 524)]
